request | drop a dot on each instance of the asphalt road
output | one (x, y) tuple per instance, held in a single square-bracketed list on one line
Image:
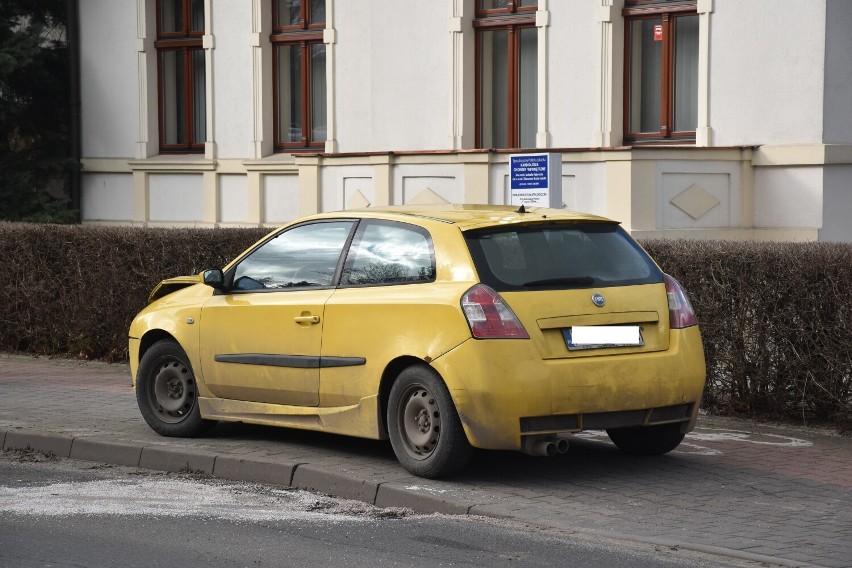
[(64, 513)]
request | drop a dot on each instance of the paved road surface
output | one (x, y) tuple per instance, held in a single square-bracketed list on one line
[(738, 488)]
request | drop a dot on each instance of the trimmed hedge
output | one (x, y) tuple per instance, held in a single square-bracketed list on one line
[(776, 318), (74, 289)]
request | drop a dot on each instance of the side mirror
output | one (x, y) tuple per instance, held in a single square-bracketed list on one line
[(214, 278)]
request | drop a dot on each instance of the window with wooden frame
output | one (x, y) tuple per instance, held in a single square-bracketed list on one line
[(299, 81), (661, 71), (506, 73), (181, 74)]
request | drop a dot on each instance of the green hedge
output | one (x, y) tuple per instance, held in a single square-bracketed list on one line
[(776, 318), (74, 289)]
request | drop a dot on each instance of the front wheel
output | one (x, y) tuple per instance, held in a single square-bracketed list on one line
[(647, 440), (423, 425), (167, 394)]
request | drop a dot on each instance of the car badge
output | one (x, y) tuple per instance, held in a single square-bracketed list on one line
[(598, 299)]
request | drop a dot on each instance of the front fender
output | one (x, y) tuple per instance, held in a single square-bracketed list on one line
[(177, 315)]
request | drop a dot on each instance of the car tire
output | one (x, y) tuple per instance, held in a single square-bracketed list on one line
[(167, 394), (423, 425), (647, 440)]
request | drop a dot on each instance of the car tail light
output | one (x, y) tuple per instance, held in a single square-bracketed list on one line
[(489, 317), (681, 313)]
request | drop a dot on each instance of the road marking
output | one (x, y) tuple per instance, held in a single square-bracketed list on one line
[(688, 446), (710, 435)]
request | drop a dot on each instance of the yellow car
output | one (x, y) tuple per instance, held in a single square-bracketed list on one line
[(443, 328)]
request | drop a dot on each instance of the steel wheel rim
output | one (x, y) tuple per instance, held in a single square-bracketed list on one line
[(420, 422), (173, 391)]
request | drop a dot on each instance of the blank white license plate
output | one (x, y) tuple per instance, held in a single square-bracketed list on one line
[(602, 336)]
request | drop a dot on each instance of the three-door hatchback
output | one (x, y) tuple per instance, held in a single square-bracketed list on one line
[(443, 328)]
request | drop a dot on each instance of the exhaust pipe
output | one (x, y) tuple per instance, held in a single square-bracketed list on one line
[(544, 447), (541, 448)]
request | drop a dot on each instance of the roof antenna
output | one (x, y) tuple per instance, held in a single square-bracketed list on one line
[(521, 209)]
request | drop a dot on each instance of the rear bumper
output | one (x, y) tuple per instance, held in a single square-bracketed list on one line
[(503, 389)]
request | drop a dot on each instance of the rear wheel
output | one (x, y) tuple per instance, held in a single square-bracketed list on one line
[(167, 394), (423, 425), (647, 440)]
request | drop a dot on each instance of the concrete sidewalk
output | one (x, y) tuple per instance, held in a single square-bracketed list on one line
[(752, 491)]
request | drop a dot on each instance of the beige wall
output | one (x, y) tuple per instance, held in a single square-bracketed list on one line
[(654, 192), (401, 109)]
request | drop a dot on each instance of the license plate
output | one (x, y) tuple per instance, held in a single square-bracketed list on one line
[(602, 336)]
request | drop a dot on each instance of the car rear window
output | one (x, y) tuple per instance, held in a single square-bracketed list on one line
[(559, 256)]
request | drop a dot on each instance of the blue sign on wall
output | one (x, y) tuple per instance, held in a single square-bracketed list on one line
[(535, 180), (529, 171)]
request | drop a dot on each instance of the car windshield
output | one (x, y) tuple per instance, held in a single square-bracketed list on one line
[(559, 256)]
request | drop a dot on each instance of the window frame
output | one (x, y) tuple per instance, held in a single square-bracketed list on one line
[(186, 30), (184, 42), (512, 7), (305, 20), (302, 35), (512, 19), (667, 11)]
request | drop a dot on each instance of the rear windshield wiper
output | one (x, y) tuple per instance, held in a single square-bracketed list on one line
[(564, 281)]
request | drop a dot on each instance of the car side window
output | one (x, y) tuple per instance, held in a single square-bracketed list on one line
[(385, 252), (304, 256)]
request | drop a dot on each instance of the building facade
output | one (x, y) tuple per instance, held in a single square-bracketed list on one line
[(680, 118)]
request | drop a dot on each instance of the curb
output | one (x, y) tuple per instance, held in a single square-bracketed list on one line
[(397, 495), (313, 478), (254, 471), (106, 451)]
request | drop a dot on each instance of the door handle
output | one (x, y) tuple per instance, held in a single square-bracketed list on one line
[(306, 319)]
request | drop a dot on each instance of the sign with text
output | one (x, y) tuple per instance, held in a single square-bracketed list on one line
[(535, 180)]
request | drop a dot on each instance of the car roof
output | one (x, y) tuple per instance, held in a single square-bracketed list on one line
[(468, 216)]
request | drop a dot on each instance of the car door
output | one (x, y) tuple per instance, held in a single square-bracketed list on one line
[(385, 306), (260, 339)]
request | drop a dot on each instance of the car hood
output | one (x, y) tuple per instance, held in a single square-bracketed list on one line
[(169, 285)]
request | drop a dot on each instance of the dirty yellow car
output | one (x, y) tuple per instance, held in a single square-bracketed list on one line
[(442, 328)]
